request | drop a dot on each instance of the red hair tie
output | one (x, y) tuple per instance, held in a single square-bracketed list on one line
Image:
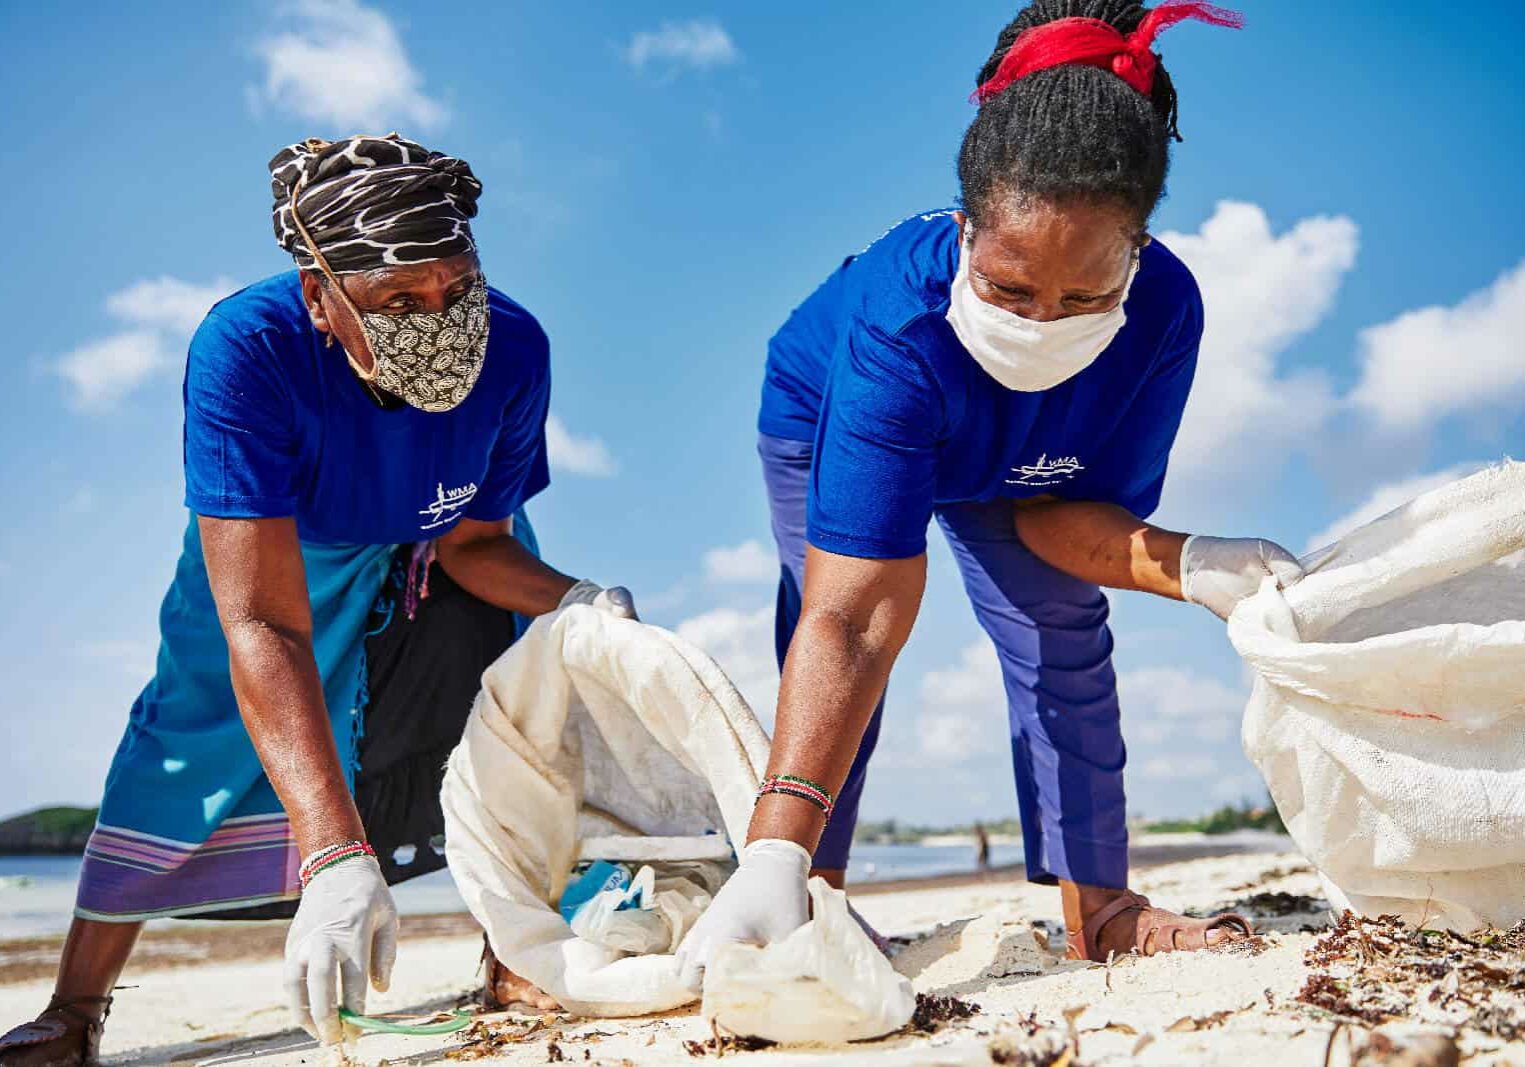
[(1095, 43)]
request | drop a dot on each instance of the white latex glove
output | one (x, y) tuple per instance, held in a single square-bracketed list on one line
[(1219, 572), (764, 901), (616, 600), (346, 929)]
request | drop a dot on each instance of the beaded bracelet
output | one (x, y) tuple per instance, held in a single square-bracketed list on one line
[(332, 856), (795, 786)]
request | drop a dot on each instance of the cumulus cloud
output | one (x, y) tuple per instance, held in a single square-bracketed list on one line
[(742, 643), (1262, 291), (1164, 704), (697, 43), (167, 303), (162, 313), (568, 452), (100, 373), (961, 705), (1437, 361), (1182, 730), (1386, 498), (343, 63), (746, 562)]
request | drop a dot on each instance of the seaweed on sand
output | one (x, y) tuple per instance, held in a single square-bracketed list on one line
[(1380, 970)]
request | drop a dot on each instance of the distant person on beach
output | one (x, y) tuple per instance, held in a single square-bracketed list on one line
[(1015, 368), (981, 847), (361, 436)]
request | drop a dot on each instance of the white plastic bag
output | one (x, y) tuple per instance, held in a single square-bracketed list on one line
[(646, 916), (824, 983), (1388, 714)]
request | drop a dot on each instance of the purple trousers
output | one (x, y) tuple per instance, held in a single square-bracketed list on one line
[(1055, 650)]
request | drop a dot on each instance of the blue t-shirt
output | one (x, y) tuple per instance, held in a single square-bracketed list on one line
[(278, 425), (904, 420)]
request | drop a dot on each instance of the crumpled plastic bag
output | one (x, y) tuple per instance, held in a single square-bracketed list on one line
[(825, 983), (649, 915)]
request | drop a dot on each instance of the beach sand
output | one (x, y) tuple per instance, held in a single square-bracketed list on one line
[(213, 997)]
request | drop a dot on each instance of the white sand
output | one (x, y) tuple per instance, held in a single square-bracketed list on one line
[(984, 951)]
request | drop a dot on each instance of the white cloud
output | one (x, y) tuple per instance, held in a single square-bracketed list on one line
[(1262, 291), (343, 63), (698, 43), (163, 312), (101, 372), (1437, 361), (1386, 498), (1179, 766), (742, 643), (167, 303), (588, 456), (959, 705), (1161, 704), (746, 562)]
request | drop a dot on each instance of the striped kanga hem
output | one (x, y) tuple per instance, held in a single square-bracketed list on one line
[(129, 875)]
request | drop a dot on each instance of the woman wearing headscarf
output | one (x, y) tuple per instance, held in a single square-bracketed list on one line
[(361, 435), (1016, 369)]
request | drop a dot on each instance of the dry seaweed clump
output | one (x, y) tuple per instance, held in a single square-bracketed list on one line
[(720, 1044), (933, 1012), (484, 1041), (1379, 970)]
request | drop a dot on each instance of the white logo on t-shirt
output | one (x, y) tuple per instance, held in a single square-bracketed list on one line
[(1046, 471), (446, 506)]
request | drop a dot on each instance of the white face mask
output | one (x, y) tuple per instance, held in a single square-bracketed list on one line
[(1023, 354)]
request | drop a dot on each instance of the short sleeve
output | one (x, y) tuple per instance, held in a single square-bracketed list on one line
[(241, 455), (874, 480), (1131, 473), (518, 467)]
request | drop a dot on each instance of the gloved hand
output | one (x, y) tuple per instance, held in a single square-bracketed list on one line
[(764, 901), (616, 600), (345, 928), (1219, 572)]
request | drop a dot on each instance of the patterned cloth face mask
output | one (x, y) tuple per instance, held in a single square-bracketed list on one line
[(430, 360)]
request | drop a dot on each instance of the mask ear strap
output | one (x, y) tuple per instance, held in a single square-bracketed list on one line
[(312, 247)]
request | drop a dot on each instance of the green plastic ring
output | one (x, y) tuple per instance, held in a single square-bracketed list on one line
[(459, 1020)]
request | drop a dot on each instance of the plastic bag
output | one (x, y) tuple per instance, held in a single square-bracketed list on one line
[(644, 916), (1388, 714), (825, 983)]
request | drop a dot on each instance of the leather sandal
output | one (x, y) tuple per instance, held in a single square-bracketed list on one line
[(62, 1036), (1158, 930)]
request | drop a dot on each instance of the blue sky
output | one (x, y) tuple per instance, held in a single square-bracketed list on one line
[(663, 184)]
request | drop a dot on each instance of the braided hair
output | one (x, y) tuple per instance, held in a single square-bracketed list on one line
[(1069, 133)]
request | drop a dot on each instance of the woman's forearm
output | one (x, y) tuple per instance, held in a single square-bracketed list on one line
[(856, 617), (832, 679), (1103, 544), (280, 696), (501, 571)]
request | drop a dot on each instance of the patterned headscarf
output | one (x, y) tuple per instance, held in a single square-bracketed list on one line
[(373, 201)]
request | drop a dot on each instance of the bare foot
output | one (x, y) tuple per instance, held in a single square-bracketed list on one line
[(508, 988), (502, 987)]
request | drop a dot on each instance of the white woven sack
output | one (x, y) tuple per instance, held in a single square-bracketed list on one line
[(1388, 713)]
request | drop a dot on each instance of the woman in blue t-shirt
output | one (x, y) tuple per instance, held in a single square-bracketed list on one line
[(1017, 370), (357, 555)]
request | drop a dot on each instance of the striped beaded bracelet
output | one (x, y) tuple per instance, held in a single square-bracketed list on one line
[(795, 786), (332, 856)]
